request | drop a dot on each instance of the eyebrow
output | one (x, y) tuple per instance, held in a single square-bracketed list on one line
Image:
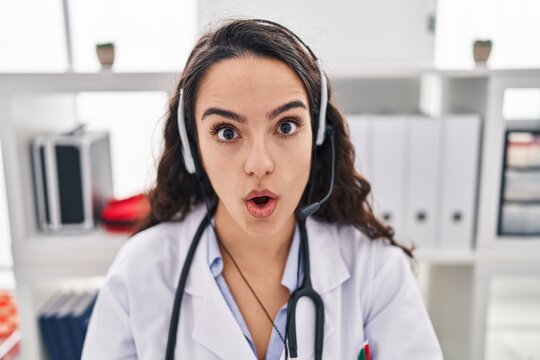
[(242, 119)]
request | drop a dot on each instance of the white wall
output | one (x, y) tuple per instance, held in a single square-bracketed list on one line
[(344, 33), (149, 36), (512, 25), (32, 36), (135, 122)]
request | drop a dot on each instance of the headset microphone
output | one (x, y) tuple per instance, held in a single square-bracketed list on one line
[(303, 213)]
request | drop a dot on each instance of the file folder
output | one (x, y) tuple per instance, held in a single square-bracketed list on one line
[(63, 323), (61, 326), (423, 181), (460, 159), (78, 319), (389, 166), (49, 335)]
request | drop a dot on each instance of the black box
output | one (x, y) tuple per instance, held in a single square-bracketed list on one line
[(72, 179)]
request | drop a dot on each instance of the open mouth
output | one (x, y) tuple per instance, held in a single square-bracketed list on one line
[(261, 206), (261, 200)]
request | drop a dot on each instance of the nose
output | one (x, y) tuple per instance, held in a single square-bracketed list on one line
[(259, 161)]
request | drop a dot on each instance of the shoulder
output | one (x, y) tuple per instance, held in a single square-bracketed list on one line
[(361, 253)]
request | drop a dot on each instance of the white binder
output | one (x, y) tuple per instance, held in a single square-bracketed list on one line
[(460, 159), (423, 189), (389, 166), (360, 133)]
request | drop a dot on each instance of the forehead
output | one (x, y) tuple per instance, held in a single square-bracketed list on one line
[(248, 84)]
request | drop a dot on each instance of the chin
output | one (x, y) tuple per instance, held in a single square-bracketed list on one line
[(262, 227), (260, 224)]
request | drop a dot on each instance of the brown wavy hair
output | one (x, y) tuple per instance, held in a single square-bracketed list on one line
[(176, 191)]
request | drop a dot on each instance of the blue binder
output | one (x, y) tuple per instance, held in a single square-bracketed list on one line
[(47, 328)]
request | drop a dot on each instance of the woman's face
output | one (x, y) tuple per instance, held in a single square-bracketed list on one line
[(254, 133)]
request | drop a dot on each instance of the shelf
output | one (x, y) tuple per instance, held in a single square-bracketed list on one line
[(69, 251), (507, 201), (11, 83), (473, 257), (403, 72), (446, 257), (520, 239), (526, 169), (351, 72), (44, 263), (396, 71)]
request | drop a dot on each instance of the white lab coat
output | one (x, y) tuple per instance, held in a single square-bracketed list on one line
[(367, 286)]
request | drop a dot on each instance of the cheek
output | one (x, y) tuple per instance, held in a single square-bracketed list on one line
[(296, 167), (218, 163)]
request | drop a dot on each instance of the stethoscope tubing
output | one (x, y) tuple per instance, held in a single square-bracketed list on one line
[(305, 289), (175, 317)]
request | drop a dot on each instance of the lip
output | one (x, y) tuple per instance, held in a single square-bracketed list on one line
[(256, 210), (256, 193), (261, 212)]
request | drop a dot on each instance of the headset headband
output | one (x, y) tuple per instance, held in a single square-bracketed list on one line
[(186, 148)]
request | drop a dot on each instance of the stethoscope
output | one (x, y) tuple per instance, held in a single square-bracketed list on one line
[(306, 288)]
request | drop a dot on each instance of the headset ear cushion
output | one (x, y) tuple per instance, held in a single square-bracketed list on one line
[(186, 144), (323, 104)]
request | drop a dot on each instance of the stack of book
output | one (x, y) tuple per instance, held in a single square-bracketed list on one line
[(520, 184), (63, 322)]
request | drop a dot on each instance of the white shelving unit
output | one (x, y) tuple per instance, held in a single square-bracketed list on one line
[(498, 256), (30, 104), (452, 280)]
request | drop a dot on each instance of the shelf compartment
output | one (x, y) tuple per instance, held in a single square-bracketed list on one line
[(520, 219)]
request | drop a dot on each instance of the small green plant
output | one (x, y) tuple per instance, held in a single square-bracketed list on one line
[(482, 42), (105, 45)]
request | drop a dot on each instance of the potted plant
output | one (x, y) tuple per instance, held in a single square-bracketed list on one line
[(105, 54), (481, 50)]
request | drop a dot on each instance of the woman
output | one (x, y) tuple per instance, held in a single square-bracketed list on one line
[(249, 107)]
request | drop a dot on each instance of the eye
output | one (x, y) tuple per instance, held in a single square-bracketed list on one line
[(288, 127), (226, 134)]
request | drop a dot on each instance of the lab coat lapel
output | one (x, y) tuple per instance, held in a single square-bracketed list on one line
[(328, 272), (215, 326), (217, 329)]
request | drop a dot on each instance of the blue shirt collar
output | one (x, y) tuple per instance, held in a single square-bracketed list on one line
[(290, 277)]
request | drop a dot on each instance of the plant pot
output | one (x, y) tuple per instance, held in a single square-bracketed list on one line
[(481, 53), (105, 56)]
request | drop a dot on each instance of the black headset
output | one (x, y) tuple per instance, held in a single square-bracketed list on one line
[(305, 289)]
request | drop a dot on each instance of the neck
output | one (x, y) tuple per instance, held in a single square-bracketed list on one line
[(254, 254)]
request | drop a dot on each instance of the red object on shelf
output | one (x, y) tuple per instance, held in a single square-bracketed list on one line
[(121, 215), (9, 326)]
